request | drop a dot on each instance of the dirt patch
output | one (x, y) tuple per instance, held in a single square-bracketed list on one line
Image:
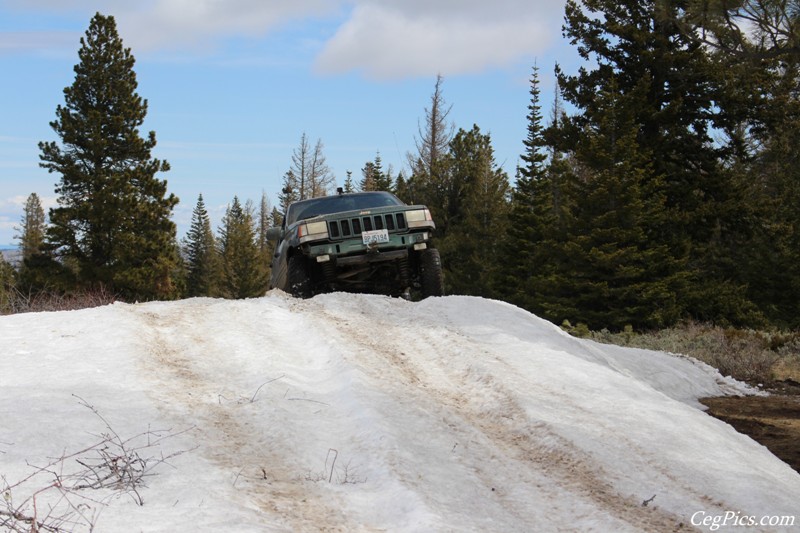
[(773, 421)]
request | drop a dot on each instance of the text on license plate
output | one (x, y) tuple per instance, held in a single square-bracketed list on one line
[(377, 236)]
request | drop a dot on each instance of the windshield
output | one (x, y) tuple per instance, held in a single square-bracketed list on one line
[(326, 205)]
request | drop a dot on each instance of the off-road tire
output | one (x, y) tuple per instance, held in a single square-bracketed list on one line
[(431, 276), (297, 277)]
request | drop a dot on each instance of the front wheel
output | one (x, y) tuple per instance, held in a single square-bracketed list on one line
[(297, 277), (431, 276)]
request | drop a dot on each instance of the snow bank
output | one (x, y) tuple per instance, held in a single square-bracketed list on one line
[(355, 412)]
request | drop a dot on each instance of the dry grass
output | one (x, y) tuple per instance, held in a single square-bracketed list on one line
[(756, 357), (15, 301)]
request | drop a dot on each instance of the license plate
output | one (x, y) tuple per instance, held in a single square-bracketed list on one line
[(377, 236)]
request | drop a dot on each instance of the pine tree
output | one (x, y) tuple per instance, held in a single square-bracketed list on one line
[(368, 177), (382, 179), (525, 257), (33, 227), (349, 186), (201, 257), (266, 219), (614, 273), (374, 178), (402, 189), (277, 217), (473, 216), (289, 191), (666, 82), (243, 267), (38, 270), (7, 286), (757, 48), (113, 216)]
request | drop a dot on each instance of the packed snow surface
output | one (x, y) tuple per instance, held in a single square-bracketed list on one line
[(365, 413)]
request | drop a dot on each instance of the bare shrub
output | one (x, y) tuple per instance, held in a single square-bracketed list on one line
[(17, 301), (747, 355), (343, 475), (67, 492)]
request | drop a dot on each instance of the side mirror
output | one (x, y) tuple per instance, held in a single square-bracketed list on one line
[(275, 233)]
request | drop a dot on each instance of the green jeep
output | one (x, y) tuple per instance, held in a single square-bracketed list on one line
[(357, 242)]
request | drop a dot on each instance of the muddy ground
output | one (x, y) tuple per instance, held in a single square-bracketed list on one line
[(773, 420)]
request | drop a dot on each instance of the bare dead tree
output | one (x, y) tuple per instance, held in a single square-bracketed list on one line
[(434, 139), (320, 177), (311, 173)]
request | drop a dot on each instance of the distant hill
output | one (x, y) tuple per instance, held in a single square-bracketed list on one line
[(11, 254)]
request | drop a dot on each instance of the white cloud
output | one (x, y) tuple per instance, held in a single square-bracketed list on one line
[(389, 40), (199, 23), (384, 39)]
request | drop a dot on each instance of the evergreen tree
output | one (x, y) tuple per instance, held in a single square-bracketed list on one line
[(473, 216), (368, 175), (757, 47), (771, 262), (243, 267), (33, 227), (666, 82), (402, 189), (113, 216), (7, 286), (289, 191), (39, 270), (200, 252), (525, 256), (349, 186), (374, 178), (277, 217), (614, 273), (266, 219), (383, 179)]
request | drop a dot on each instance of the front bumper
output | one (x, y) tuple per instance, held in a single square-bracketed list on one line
[(353, 251)]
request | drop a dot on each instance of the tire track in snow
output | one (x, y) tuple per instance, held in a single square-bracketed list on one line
[(533, 444), (264, 472)]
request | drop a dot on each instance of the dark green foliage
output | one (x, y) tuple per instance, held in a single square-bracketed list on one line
[(38, 270), (289, 191), (374, 178), (526, 251), (665, 87), (471, 215), (757, 46), (32, 229), (349, 186), (615, 272), (201, 256), (244, 270), (112, 223), (7, 285)]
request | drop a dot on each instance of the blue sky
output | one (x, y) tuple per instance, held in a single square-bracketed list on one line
[(232, 86)]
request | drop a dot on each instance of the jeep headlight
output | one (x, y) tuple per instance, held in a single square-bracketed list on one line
[(419, 218), (312, 231)]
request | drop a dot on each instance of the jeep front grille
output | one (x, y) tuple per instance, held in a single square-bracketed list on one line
[(351, 227)]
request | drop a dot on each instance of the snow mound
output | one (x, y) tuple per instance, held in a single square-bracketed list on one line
[(366, 413)]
